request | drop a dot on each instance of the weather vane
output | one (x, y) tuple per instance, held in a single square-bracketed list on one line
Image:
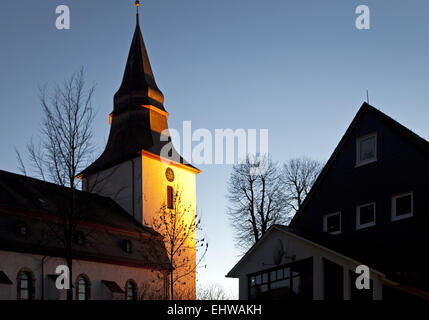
[(137, 6)]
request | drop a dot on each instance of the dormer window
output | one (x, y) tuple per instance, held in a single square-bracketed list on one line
[(127, 246), (332, 223), (366, 149), (79, 238), (22, 229)]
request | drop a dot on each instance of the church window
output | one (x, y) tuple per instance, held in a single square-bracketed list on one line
[(25, 286), (170, 197), (82, 285), (131, 290)]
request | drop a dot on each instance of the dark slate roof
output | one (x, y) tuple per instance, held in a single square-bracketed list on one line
[(413, 138), (104, 223), (112, 286), (4, 278), (138, 79)]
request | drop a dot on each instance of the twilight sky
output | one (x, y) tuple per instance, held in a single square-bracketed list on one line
[(299, 68)]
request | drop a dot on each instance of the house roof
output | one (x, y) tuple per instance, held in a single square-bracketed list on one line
[(323, 240), (104, 223), (412, 137)]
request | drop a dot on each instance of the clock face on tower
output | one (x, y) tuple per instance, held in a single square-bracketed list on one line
[(169, 174)]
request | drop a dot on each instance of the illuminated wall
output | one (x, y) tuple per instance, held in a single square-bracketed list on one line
[(154, 179)]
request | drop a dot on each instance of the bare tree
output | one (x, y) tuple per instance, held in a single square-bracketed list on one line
[(64, 149), (298, 177), (149, 290), (256, 199), (213, 292), (178, 223)]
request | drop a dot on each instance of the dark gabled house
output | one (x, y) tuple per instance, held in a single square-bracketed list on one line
[(368, 206)]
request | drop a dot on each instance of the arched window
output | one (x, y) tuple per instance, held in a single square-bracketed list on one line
[(25, 283), (131, 290), (82, 288)]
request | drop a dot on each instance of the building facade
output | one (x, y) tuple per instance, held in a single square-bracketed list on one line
[(117, 253), (367, 207)]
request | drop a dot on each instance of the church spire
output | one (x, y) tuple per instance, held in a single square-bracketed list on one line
[(138, 84)]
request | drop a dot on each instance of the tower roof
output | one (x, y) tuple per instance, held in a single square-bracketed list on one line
[(131, 131), (138, 84)]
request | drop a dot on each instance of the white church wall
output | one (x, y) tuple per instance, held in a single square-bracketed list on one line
[(12, 262), (6, 291), (122, 183)]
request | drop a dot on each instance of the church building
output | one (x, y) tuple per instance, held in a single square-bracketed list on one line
[(117, 252)]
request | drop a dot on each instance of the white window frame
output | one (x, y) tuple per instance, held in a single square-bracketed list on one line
[(325, 222), (365, 225), (358, 141), (405, 216)]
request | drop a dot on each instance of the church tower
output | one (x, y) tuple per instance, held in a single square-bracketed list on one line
[(135, 170)]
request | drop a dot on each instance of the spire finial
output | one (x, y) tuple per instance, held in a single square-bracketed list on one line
[(137, 3)]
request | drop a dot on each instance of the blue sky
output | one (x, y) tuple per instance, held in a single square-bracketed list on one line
[(299, 68)]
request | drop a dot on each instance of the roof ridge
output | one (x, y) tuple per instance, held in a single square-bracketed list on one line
[(366, 107)]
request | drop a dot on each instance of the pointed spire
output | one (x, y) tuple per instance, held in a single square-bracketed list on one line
[(138, 84)]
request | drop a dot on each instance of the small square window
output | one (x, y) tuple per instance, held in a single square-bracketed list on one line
[(402, 206), (365, 216), (366, 149), (332, 223)]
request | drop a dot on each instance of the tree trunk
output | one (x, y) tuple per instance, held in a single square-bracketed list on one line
[(70, 266), (171, 284), (69, 244)]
